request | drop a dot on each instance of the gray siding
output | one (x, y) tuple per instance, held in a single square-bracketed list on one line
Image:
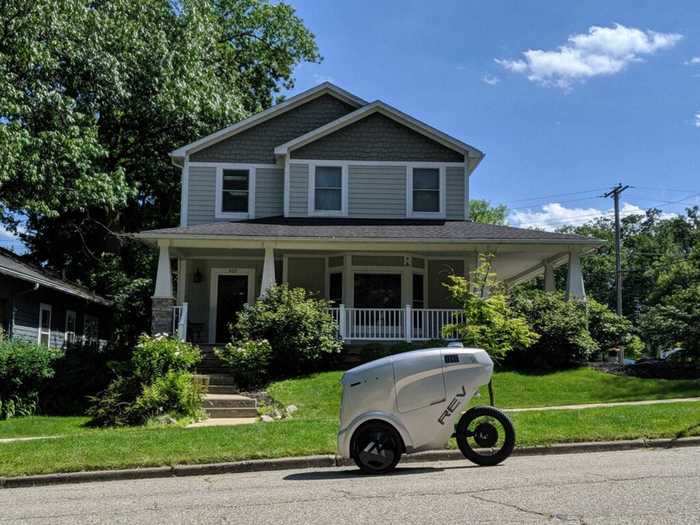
[(377, 137), (298, 190), (455, 179), (257, 144), (201, 198), (269, 192), (308, 273), (377, 191), (438, 271)]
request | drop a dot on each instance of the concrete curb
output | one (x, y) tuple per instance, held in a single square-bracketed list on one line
[(258, 465)]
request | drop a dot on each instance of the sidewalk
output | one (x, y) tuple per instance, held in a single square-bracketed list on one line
[(604, 405)]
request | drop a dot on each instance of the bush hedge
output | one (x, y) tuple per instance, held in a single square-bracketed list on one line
[(24, 369)]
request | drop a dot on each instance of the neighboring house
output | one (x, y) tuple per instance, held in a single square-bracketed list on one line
[(39, 307), (356, 202)]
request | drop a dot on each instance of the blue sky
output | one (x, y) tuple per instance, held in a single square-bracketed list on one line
[(618, 103)]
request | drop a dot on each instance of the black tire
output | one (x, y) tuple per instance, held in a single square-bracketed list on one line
[(491, 445), (376, 447)]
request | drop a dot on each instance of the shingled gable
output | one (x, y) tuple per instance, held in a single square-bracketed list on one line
[(325, 89), (301, 147)]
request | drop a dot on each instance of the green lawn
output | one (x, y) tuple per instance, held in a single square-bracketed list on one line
[(318, 396), (313, 429)]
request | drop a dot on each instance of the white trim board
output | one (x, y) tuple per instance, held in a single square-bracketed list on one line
[(214, 292), (258, 118)]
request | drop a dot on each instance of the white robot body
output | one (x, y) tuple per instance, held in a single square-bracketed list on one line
[(419, 393)]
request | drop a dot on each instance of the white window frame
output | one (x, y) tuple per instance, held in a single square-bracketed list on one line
[(441, 213), (43, 307), (66, 332), (312, 211), (218, 212)]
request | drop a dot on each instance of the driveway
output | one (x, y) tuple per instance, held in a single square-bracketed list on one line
[(640, 486)]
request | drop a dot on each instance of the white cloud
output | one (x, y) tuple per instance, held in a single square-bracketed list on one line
[(697, 120), (554, 215), (491, 80), (319, 78), (601, 51), (693, 61)]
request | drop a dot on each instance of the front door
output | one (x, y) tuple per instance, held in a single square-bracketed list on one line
[(232, 294)]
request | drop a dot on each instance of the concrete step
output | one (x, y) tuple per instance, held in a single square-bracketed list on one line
[(231, 412), (228, 401), (222, 389), (221, 379)]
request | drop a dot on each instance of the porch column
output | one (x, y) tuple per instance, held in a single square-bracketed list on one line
[(549, 285), (268, 274), (574, 281), (163, 300)]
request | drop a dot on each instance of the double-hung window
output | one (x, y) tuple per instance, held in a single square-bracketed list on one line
[(327, 195), (425, 191), (235, 192), (71, 324)]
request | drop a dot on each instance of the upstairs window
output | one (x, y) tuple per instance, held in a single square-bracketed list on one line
[(426, 192), (327, 190), (235, 189)]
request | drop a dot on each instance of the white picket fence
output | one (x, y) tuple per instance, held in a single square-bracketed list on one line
[(395, 324)]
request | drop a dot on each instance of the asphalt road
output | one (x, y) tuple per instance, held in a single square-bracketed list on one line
[(641, 486)]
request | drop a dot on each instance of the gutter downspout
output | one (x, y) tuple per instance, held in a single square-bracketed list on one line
[(13, 309)]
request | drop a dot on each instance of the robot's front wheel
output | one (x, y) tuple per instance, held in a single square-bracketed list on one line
[(485, 435), (376, 447)]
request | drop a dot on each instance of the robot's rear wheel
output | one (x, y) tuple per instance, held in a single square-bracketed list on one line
[(376, 447), (485, 436)]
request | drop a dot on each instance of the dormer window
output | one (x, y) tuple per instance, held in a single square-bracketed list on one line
[(426, 192), (235, 187), (327, 190)]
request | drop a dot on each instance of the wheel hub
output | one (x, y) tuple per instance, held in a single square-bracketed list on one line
[(485, 435)]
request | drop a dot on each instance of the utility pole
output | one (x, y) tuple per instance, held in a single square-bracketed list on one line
[(615, 194)]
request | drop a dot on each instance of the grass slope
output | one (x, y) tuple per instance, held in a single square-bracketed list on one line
[(313, 429)]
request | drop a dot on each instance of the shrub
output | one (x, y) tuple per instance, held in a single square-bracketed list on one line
[(249, 361), (562, 326), (154, 356), (489, 323), (610, 331), (157, 381), (83, 370), (299, 328), (175, 393), (24, 369)]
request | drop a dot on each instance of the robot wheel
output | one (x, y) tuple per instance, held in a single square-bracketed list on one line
[(485, 435), (376, 447)]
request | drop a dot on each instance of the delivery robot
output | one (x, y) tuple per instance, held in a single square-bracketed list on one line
[(409, 402)]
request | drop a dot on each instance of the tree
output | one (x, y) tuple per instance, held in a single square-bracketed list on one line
[(481, 211), (489, 321), (94, 94)]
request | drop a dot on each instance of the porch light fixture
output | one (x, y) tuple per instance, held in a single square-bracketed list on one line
[(197, 277)]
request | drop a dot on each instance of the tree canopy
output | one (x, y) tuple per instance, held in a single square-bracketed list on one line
[(483, 212), (93, 96)]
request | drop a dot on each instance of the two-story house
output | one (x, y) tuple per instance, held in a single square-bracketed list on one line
[(354, 201)]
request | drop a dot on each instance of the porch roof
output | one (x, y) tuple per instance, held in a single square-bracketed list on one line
[(404, 230)]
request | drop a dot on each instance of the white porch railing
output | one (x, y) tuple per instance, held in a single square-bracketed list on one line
[(179, 328), (395, 324)]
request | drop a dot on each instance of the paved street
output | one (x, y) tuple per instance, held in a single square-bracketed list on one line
[(641, 486)]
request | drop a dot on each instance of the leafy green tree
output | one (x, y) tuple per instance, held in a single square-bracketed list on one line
[(564, 338), (93, 96), (489, 321), (481, 211)]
